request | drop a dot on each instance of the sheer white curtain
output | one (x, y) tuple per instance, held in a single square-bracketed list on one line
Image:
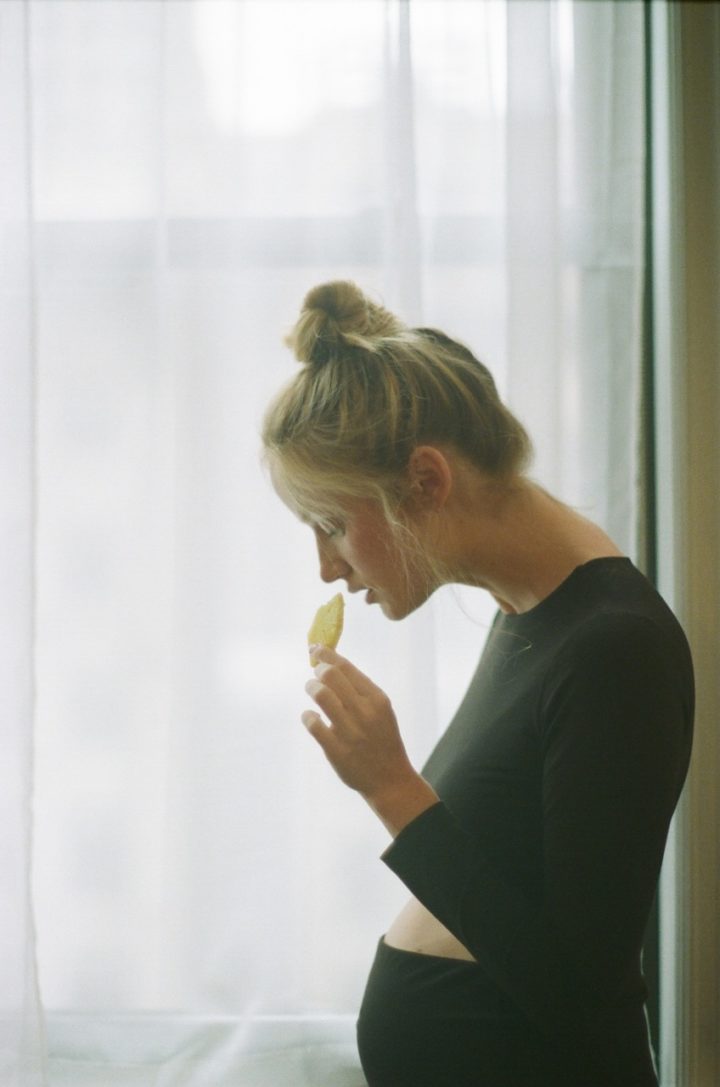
[(21, 1042), (175, 176)]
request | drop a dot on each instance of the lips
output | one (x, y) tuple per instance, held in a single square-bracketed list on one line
[(370, 594)]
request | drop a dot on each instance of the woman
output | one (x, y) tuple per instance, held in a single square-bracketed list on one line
[(531, 841)]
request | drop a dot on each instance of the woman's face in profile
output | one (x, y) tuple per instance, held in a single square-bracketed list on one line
[(362, 550)]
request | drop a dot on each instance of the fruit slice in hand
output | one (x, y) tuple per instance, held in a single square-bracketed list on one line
[(327, 625)]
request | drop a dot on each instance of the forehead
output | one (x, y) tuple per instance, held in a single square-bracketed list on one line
[(310, 505), (320, 506)]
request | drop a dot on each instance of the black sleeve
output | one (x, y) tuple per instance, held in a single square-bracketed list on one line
[(613, 720)]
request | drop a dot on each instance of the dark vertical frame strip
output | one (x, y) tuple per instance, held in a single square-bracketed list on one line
[(648, 504)]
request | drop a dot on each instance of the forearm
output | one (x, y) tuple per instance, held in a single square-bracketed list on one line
[(398, 805)]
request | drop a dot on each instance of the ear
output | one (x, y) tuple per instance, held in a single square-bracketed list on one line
[(430, 478)]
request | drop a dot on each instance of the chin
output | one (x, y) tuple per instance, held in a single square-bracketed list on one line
[(397, 610), (392, 609), (391, 613)]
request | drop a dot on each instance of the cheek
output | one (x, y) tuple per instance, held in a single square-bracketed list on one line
[(369, 555), (369, 547)]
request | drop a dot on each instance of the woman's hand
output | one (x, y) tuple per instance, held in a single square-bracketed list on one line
[(362, 741)]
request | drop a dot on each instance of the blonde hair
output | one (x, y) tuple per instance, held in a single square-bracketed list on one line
[(369, 392)]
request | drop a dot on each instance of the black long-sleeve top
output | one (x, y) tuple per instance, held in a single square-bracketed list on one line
[(557, 779)]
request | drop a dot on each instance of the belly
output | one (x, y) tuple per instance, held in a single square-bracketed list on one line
[(415, 929)]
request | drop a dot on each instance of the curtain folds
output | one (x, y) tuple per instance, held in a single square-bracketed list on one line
[(176, 175), (21, 1027), (575, 198)]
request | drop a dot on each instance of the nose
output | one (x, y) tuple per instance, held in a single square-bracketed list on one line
[(332, 566)]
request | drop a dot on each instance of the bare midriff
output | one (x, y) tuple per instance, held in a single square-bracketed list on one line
[(415, 929)]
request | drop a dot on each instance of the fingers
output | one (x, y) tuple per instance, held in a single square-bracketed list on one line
[(331, 685), (343, 694), (316, 726), (343, 671), (354, 724), (326, 738), (341, 691), (329, 700)]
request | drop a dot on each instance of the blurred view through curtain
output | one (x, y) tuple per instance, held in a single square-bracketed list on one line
[(197, 894)]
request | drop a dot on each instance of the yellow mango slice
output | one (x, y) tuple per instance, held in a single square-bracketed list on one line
[(327, 625)]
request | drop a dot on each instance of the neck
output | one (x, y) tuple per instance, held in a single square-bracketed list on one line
[(520, 543)]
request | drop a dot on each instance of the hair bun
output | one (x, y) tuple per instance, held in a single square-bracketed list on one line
[(337, 315)]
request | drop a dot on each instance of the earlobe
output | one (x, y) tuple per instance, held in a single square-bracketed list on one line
[(430, 477)]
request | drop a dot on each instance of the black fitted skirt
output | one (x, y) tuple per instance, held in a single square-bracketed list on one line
[(427, 1021)]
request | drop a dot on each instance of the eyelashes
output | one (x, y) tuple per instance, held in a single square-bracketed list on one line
[(327, 526), (330, 529)]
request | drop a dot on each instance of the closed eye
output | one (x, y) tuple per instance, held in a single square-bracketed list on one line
[(331, 528), (326, 525)]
